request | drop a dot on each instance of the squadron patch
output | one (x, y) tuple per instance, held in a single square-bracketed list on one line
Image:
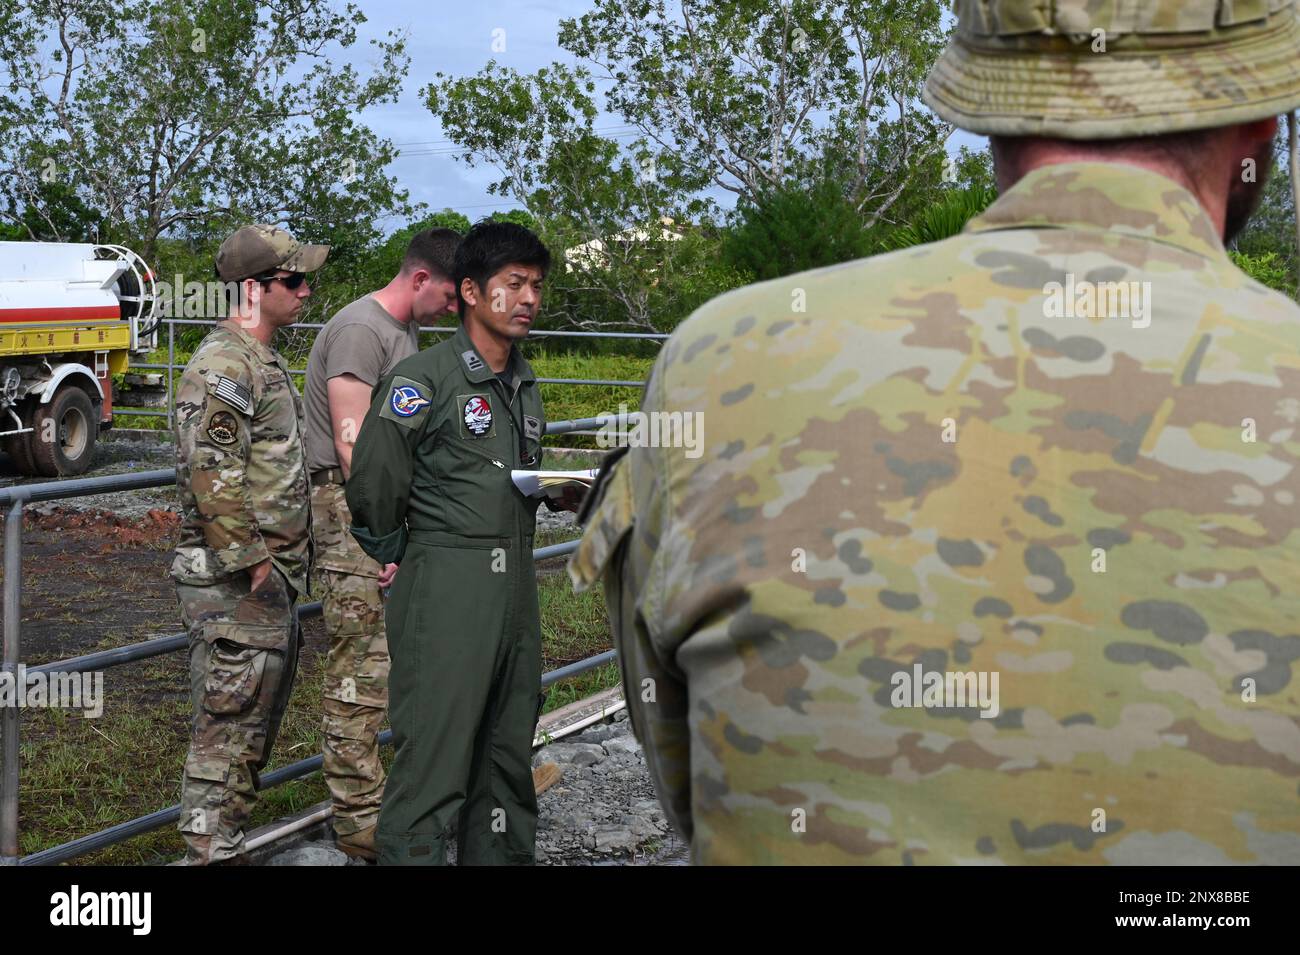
[(407, 402), (476, 413), (223, 428)]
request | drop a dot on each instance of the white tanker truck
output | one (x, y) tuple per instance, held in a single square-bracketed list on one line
[(71, 316)]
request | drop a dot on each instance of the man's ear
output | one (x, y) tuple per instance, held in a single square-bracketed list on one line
[(469, 291)]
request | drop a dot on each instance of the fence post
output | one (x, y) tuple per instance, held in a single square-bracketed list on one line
[(171, 362), (9, 715)]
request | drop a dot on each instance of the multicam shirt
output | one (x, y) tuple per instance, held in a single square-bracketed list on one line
[(1002, 457), (240, 463)]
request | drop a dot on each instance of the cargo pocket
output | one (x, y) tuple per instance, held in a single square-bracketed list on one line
[(237, 657), (203, 793)]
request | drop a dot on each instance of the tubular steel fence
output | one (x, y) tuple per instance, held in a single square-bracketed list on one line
[(13, 500), (171, 367)]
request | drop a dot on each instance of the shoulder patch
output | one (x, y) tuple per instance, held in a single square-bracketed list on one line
[(223, 428), (232, 393), (407, 403)]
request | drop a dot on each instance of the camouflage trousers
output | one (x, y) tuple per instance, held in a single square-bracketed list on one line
[(355, 696), (243, 655)]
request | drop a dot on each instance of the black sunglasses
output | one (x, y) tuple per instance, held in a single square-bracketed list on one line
[(290, 281)]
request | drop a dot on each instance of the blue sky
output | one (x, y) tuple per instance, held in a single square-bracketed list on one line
[(457, 38)]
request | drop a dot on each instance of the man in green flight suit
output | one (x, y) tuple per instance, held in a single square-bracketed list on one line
[(430, 489)]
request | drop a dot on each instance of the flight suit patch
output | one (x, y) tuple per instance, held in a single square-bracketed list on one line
[(532, 427), (223, 428), (476, 416), (407, 402)]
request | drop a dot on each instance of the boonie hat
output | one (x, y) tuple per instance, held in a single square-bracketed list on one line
[(1105, 69)]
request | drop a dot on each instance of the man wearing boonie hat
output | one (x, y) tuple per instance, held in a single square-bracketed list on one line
[(244, 554), (992, 554)]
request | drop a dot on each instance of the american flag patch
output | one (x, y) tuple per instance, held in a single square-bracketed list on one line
[(233, 394)]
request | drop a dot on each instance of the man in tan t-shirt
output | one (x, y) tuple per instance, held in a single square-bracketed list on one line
[(357, 348)]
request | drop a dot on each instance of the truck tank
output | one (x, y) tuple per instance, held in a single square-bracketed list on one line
[(71, 316)]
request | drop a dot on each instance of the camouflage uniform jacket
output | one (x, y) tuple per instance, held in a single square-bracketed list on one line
[(929, 463), (240, 463)]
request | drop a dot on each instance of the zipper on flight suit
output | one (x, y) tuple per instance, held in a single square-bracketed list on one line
[(483, 454)]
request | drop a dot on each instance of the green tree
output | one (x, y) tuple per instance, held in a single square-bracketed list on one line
[(750, 94), (795, 228), (1270, 236), (185, 117), (614, 219), (757, 98)]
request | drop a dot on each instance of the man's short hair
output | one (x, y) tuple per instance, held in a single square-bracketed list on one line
[(489, 247), (432, 249)]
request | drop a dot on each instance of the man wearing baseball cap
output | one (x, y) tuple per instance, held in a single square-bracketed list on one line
[(992, 558), (244, 554)]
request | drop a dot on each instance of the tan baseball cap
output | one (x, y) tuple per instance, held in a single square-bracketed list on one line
[(1101, 69), (258, 249)]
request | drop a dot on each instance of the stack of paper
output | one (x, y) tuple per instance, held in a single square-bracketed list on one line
[(552, 483)]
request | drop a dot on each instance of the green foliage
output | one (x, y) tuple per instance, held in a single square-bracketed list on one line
[(185, 118), (54, 211), (518, 217), (745, 96), (796, 228), (944, 219), (1272, 230), (748, 95), (1268, 268)]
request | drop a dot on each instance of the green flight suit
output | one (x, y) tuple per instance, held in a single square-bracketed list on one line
[(430, 489)]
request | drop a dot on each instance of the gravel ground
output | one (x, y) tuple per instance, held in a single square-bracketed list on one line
[(603, 811)]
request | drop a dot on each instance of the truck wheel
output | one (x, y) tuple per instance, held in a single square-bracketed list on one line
[(18, 446), (66, 428)]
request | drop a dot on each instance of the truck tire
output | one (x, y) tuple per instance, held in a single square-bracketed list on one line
[(70, 420), (18, 446)]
